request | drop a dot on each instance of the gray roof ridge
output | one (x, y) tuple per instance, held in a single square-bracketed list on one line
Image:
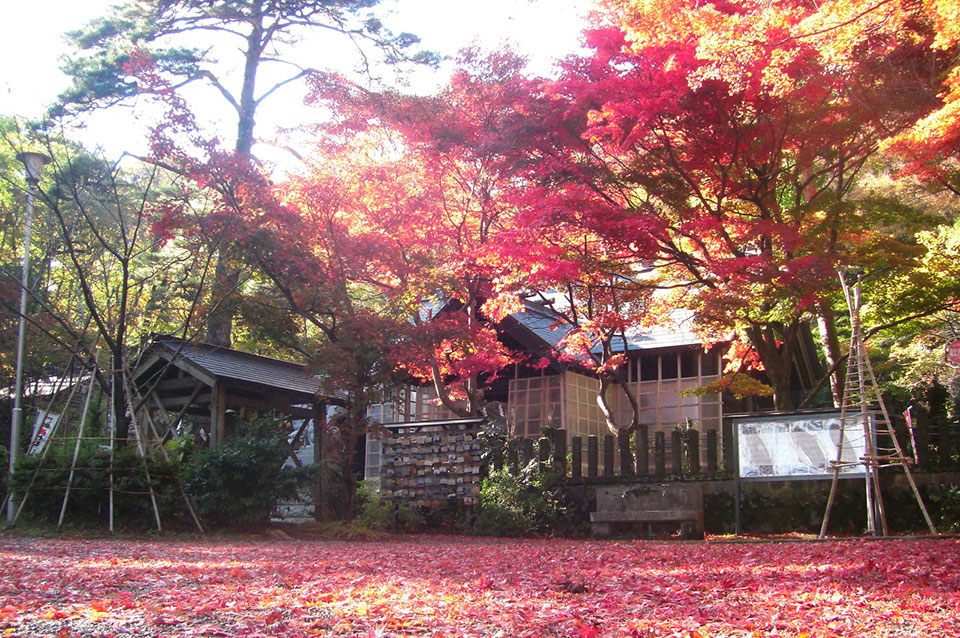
[(170, 340)]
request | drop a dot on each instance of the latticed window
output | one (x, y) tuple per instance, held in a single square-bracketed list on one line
[(534, 403), (663, 384)]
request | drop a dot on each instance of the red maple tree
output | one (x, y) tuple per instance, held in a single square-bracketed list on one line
[(720, 146)]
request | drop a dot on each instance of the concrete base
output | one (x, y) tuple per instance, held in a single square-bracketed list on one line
[(651, 510)]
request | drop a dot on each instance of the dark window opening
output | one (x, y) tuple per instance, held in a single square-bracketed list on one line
[(669, 366), (688, 363), (648, 367), (709, 364)]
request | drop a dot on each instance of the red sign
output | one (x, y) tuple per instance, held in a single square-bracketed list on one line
[(953, 352)]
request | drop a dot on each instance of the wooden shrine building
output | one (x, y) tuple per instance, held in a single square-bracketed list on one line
[(205, 389)]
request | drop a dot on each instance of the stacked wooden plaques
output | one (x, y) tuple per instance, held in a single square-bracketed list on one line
[(431, 466)]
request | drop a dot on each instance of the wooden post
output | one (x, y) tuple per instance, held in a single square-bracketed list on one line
[(543, 452), (526, 452), (576, 457), (608, 455), (944, 442), (498, 458), (642, 450), (693, 452), (676, 453), (593, 453), (729, 458), (513, 457), (626, 458), (712, 451), (560, 451), (922, 435), (218, 403), (660, 453)]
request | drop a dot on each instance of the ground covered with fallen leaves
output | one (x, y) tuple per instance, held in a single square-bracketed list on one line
[(450, 586)]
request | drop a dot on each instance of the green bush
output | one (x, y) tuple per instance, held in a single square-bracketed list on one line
[(239, 483), (530, 502), (948, 504), (376, 514), (45, 481), (5, 460)]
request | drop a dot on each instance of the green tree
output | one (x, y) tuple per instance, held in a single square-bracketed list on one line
[(146, 45), (104, 278)]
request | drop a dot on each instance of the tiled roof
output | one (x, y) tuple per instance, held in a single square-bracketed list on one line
[(225, 363), (678, 333), (542, 322)]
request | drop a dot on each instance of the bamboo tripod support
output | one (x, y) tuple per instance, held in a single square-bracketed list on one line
[(144, 440), (862, 409)]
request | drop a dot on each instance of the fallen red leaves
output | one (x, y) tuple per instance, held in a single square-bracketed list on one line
[(442, 586)]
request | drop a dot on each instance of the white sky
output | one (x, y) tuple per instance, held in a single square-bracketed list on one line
[(32, 47)]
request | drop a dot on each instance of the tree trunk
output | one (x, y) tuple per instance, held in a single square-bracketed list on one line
[(220, 323), (223, 298), (777, 360), (355, 430), (122, 432), (827, 322), (321, 507), (617, 378)]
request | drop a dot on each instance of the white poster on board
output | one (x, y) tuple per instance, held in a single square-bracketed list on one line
[(799, 446)]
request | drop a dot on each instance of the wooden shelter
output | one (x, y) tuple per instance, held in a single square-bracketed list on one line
[(211, 386)]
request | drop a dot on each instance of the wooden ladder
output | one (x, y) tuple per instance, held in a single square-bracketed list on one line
[(864, 412)]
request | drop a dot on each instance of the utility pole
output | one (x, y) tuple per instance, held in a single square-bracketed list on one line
[(34, 164)]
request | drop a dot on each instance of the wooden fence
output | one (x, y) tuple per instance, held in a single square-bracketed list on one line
[(692, 454), (684, 453), (934, 443)]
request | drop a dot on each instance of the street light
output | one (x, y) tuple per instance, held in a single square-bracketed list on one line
[(33, 162)]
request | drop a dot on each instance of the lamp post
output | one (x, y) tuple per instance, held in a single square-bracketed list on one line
[(34, 164)]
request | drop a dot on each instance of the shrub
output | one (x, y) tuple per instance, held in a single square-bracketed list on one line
[(527, 503), (239, 483), (377, 514), (5, 460), (948, 502), (45, 481)]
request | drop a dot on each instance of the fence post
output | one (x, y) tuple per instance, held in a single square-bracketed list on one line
[(593, 453), (513, 457), (949, 443), (903, 437), (944, 443), (576, 457), (728, 461), (560, 451), (660, 453), (711, 451), (642, 450), (693, 452), (526, 452), (626, 458), (676, 453), (543, 452), (608, 455), (499, 458)]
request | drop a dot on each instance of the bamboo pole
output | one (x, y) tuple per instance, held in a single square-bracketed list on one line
[(76, 448)]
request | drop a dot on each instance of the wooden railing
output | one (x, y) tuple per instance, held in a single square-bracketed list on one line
[(677, 454), (691, 454)]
